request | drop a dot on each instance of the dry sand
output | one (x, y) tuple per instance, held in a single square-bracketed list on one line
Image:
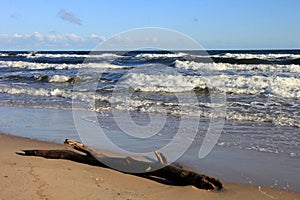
[(38, 178)]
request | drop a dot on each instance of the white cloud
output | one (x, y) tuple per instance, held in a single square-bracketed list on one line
[(38, 41), (37, 36), (53, 37), (4, 36), (74, 37), (99, 37), (16, 35)]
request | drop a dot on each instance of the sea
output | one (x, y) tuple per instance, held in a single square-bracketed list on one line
[(254, 94)]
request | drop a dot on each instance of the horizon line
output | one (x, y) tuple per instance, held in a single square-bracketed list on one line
[(221, 49)]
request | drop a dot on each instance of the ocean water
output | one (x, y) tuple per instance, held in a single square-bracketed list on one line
[(256, 91), (260, 89)]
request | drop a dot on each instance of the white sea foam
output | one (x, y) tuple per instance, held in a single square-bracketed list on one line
[(187, 109), (164, 82), (281, 86), (4, 54), (186, 65), (191, 65), (154, 55), (93, 55), (278, 120), (270, 56), (34, 91), (31, 65), (278, 86), (59, 79), (29, 91), (262, 56)]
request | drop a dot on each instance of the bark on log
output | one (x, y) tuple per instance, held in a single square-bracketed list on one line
[(178, 175)]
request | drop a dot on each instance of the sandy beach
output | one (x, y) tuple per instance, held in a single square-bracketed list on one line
[(150, 100), (39, 178)]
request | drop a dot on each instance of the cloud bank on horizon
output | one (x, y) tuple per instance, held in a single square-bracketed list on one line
[(52, 41)]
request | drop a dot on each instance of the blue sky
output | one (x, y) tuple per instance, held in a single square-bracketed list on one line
[(215, 24)]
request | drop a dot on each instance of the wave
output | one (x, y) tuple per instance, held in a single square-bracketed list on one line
[(286, 87), (39, 77), (191, 65), (259, 87), (55, 78), (154, 56), (276, 80), (218, 59), (60, 79), (146, 105), (246, 55), (34, 91), (186, 65), (4, 54), (246, 58), (68, 55), (269, 56), (278, 120), (59, 58), (200, 109), (184, 108), (63, 66), (165, 55)]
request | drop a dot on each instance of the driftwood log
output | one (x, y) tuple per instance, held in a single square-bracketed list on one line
[(152, 170)]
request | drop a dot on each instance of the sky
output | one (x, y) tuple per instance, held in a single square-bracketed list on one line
[(214, 24)]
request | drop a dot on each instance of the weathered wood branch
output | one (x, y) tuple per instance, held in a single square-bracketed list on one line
[(161, 169)]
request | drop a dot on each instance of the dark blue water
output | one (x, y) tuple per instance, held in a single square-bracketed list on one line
[(260, 87)]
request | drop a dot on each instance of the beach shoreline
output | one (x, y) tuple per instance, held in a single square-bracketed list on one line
[(39, 178), (231, 164)]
